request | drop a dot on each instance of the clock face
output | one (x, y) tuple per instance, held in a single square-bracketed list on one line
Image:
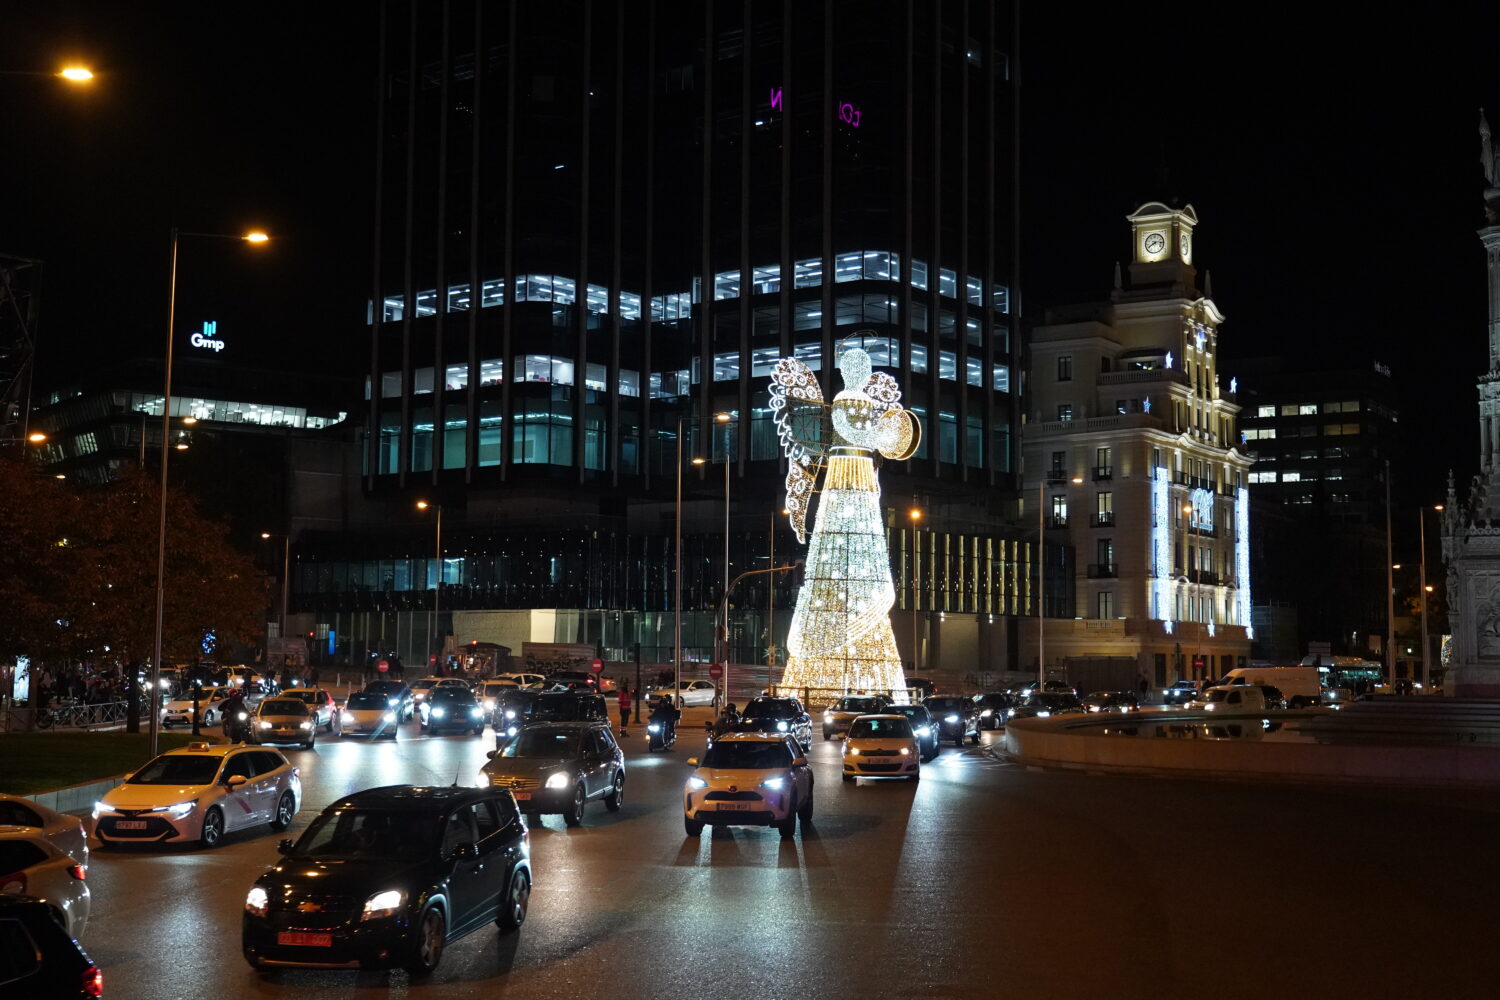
[(1186, 243), (1155, 243)]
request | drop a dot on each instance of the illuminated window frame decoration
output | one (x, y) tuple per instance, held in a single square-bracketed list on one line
[(840, 638), (1242, 557), (1161, 547), (1203, 508)]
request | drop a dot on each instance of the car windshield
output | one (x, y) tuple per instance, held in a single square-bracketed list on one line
[(1217, 695), (283, 706), (880, 729), (916, 713), (563, 708), (543, 743), (177, 769), (383, 687), (768, 708), (452, 696), (310, 697), (858, 705), (1053, 700), (945, 704), (366, 701), (495, 689), (422, 685), (369, 835), (747, 755)]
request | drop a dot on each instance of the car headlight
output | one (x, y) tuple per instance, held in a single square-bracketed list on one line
[(951, 719), (511, 731), (774, 784), (476, 712), (1043, 714), (257, 901), (178, 811), (562, 779), (695, 783), (438, 713), (782, 726), (986, 713), (905, 752), (489, 704), (264, 724), (1010, 713), (1093, 708), (1209, 707), (392, 701), (390, 717), (306, 725), (347, 719), (1165, 693), (925, 731), (827, 716), (510, 713), (383, 904), (653, 728), (102, 807), (851, 750)]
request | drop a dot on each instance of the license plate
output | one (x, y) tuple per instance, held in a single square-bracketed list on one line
[(130, 824), (304, 939), (745, 806), (522, 796)]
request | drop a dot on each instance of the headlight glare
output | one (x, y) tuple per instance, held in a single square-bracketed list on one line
[(307, 725), (383, 904), (181, 809), (562, 779), (1043, 714), (782, 726), (695, 783), (102, 807), (264, 724), (390, 717), (347, 719), (774, 784), (925, 731), (438, 713), (257, 901), (951, 719)]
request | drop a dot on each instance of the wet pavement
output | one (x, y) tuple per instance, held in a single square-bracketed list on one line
[(984, 879)]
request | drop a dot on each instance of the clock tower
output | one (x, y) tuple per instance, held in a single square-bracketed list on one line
[(1163, 241)]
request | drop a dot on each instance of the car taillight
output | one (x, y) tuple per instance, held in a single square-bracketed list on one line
[(77, 872), (93, 982)]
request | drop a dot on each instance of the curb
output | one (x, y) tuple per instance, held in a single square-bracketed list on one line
[(76, 798)]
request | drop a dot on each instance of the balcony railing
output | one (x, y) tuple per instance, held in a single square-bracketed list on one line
[(1101, 571), (1057, 522), (1104, 519), (1103, 472)]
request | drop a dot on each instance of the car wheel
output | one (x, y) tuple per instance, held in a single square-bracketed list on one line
[(826, 736), (974, 740), (917, 776), (212, 834), (788, 827), (427, 943), (847, 776), (692, 826), (328, 726), (512, 909), (286, 808), (616, 796), (805, 812), (574, 816), (309, 744), (478, 730), (959, 740)]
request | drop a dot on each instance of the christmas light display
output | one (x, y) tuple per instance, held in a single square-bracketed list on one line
[(840, 637)]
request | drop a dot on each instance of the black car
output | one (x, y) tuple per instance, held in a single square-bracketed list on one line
[(397, 695), (777, 715), (922, 727), (992, 708), (512, 709), (956, 719), (572, 680), (1111, 701), (1180, 693), (1041, 704), (558, 767), (38, 959), (450, 708), (391, 876), (568, 706)]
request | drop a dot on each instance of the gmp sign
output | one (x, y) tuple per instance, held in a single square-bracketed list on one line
[(207, 339)]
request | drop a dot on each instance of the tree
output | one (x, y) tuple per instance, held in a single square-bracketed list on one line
[(37, 518)]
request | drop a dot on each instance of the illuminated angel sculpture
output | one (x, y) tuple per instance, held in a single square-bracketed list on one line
[(840, 637)]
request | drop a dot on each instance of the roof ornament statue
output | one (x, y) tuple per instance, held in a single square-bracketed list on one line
[(1489, 158)]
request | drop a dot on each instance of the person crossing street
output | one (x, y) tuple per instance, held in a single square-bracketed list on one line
[(626, 705)]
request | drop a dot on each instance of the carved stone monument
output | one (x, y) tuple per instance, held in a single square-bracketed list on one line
[(1471, 524)]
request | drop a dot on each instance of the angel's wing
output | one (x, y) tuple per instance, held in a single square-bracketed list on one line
[(883, 389), (898, 434), (802, 423)]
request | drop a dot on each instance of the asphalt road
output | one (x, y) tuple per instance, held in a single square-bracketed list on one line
[(986, 879)]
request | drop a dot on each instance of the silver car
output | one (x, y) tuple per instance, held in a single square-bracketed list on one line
[(283, 720)]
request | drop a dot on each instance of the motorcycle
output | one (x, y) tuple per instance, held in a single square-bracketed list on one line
[(237, 726), (659, 736)]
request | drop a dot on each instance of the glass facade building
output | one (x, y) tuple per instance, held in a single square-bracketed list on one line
[(599, 225)]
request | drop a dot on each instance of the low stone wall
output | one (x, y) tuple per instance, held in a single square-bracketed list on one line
[(1059, 742), (76, 798)]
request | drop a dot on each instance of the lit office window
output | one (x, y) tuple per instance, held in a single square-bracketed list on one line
[(490, 428), (948, 366), (1000, 378), (421, 381), (810, 355), (630, 382), (727, 285), (492, 293), (766, 279), (919, 359), (545, 368), (491, 372), (596, 377), (807, 273), (427, 302), (456, 377), (458, 297), (973, 372), (629, 306), (727, 366)]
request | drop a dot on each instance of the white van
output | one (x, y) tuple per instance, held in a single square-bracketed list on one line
[(1301, 685)]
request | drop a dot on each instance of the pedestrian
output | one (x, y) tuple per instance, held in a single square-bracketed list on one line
[(626, 704)]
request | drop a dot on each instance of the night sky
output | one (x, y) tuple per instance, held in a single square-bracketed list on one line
[(1334, 166)]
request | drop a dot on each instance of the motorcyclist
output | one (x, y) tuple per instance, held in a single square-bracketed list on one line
[(232, 708), (666, 715), (728, 719)]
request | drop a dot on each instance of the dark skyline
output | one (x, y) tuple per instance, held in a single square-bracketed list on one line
[(1334, 165)]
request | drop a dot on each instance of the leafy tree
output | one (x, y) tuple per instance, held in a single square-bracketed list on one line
[(37, 557)]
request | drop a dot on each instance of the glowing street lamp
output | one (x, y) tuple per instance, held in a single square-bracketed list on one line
[(437, 588)]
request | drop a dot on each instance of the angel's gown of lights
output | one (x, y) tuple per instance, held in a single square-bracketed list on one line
[(840, 637)]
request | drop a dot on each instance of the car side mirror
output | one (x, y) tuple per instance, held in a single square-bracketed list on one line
[(799, 762), (692, 762), (465, 852), (284, 847), (235, 780), (491, 754)]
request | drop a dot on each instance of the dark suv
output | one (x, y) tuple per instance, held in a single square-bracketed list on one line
[(567, 706), (558, 767), (449, 708), (37, 957), (956, 719), (391, 876), (992, 709), (922, 728), (777, 715)]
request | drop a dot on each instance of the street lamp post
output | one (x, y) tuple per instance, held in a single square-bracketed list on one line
[(286, 562), (1390, 584), (437, 589), (915, 514), (722, 634), (677, 576), (166, 429), (1424, 589)]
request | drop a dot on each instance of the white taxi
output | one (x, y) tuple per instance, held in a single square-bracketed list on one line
[(200, 792), (369, 714), (749, 779), (882, 746), (32, 865), (65, 832)]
